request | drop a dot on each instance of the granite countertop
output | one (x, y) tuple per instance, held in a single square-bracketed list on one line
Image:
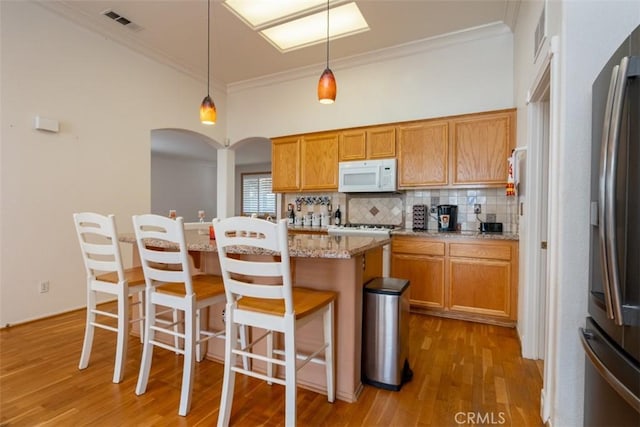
[(455, 234), (300, 245)]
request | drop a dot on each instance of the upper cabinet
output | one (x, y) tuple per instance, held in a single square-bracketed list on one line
[(481, 144), (308, 163), (320, 161), (381, 142), (377, 142), (285, 164), (469, 150), (461, 151), (422, 154)]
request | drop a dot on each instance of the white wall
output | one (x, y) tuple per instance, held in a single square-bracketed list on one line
[(186, 185), (472, 72), (588, 31), (107, 99)]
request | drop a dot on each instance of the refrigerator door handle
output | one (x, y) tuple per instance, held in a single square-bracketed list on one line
[(602, 196), (612, 168), (621, 389)]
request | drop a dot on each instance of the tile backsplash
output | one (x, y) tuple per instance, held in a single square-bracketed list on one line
[(495, 206), (397, 208)]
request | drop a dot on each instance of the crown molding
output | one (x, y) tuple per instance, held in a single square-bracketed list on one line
[(403, 50)]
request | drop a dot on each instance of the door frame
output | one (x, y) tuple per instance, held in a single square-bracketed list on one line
[(542, 117)]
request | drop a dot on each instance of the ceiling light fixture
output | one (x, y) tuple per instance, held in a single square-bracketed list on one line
[(208, 112), (327, 88)]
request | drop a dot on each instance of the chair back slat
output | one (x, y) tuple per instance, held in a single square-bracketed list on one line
[(267, 277), (151, 227), (98, 238)]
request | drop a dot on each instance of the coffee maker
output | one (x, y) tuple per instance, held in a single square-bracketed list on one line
[(447, 217)]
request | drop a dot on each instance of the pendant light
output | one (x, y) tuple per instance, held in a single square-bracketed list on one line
[(327, 85), (208, 108)]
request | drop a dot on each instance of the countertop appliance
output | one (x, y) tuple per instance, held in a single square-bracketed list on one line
[(367, 176), (447, 217), (367, 230), (611, 336)]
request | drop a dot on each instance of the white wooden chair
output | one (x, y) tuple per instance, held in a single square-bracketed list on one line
[(260, 294), (98, 239), (174, 288)]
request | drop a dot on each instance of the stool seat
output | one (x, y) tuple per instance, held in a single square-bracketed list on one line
[(134, 276), (305, 302)]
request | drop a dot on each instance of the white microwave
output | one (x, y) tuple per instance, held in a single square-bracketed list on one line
[(367, 176)]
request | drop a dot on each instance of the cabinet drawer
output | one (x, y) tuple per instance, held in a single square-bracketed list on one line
[(484, 251), (417, 245)]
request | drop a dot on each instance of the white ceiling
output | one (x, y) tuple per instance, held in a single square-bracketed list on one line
[(174, 32)]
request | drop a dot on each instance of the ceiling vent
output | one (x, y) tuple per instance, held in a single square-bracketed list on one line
[(122, 20)]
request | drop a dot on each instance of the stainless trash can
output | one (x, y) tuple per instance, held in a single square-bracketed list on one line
[(385, 335)]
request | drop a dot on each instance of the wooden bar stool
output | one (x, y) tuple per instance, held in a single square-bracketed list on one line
[(171, 288), (260, 294), (98, 239)]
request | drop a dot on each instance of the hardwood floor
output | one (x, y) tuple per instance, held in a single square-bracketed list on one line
[(464, 374)]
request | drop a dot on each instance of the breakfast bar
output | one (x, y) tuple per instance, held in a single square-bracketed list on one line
[(342, 264)]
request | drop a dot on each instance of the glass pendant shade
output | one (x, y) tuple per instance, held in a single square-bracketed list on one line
[(208, 113), (327, 88)]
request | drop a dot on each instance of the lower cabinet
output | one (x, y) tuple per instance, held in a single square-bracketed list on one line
[(471, 279)]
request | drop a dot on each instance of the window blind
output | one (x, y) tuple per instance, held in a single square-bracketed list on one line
[(257, 197)]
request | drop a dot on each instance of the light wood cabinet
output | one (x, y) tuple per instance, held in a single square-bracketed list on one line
[(459, 151), (353, 145), (464, 278), (285, 164), (377, 142), (320, 162), (423, 154), (422, 262), (481, 144), (381, 142), (304, 163), (482, 278)]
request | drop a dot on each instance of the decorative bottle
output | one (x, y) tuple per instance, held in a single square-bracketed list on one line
[(338, 216)]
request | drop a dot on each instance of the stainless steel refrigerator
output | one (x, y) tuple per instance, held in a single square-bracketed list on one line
[(611, 336)]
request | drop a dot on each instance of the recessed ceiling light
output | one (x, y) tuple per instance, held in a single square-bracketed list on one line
[(345, 20)]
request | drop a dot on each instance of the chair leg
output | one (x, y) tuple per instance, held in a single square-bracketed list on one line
[(329, 353), (123, 334), (147, 346), (190, 328), (176, 330), (270, 356), (290, 372), (246, 361), (229, 376), (201, 347), (141, 315), (88, 329)]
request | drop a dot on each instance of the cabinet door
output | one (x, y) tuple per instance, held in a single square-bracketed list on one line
[(353, 145), (426, 275), (480, 286), (481, 145), (422, 154), (285, 164), (320, 162), (381, 142)]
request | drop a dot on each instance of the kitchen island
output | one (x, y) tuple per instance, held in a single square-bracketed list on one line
[(342, 264)]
